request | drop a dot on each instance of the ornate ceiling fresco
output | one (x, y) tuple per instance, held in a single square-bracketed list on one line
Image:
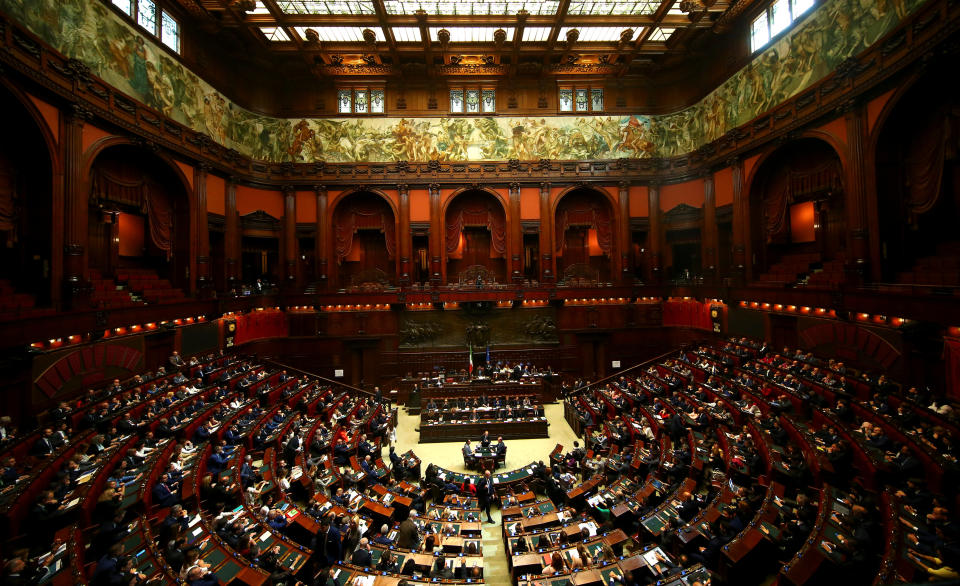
[(90, 32)]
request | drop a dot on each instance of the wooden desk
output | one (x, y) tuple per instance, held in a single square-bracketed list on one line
[(461, 431)]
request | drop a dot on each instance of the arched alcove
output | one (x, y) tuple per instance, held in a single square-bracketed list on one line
[(918, 185), (584, 225), (475, 238), (797, 214), (26, 210), (139, 223), (365, 241)]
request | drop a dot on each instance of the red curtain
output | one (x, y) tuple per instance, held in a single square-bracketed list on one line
[(359, 217), (775, 212), (8, 210), (484, 216), (580, 211), (160, 216), (106, 187), (923, 161), (687, 314), (951, 359)]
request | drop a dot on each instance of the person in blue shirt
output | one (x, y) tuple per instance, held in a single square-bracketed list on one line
[(216, 462)]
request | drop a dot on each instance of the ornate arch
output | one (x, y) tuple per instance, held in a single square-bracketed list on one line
[(475, 216), (362, 217), (603, 221)]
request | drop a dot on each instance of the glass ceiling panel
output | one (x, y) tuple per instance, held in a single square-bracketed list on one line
[(260, 9), (274, 33), (406, 34), (536, 34), (642, 7), (339, 34), (595, 33), (469, 7), (321, 7), (472, 34), (661, 34)]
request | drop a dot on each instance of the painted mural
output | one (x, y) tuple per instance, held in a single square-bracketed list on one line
[(115, 51)]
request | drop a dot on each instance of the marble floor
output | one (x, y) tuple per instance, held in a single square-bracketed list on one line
[(519, 454)]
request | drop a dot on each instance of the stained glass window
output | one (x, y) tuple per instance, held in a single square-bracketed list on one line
[(124, 5), (778, 17), (360, 101), (456, 100), (170, 31), (800, 6), (759, 32), (489, 101), (581, 98), (376, 101), (344, 101), (596, 99), (566, 100), (473, 101), (147, 15)]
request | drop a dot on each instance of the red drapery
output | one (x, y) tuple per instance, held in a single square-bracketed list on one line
[(480, 216), (923, 162), (688, 314), (106, 187), (582, 212), (358, 217), (775, 212), (148, 197), (260, 324), (160, 215), (951, 359)]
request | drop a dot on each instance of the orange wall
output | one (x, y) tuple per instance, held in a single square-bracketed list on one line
[(187, 171), (419, 205), (802, 218), (130, 232), (875, 107), (639, 201), (529, 203), (250, 200), (216, 194), (723, 187), (51, 115), (91, 134), (836, 128), (306, 207), (688, 192)]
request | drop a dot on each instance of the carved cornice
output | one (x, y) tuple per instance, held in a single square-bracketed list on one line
[(481, 69)]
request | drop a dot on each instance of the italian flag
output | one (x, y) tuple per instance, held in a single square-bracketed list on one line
[(470, 351)]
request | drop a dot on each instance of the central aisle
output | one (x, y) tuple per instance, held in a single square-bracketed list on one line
[(519, 454)]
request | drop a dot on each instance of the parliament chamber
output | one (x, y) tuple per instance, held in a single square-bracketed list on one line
[(396, 292)]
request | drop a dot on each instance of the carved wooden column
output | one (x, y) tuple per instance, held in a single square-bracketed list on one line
[(623, 236), (76, 207), (322, 235), (741, 224), (232, 236), (547, 270), (858, 243), (203, 226), (654, 234), (437, 239), (709, 234), (290, 235), (404, 243), (515, 246)]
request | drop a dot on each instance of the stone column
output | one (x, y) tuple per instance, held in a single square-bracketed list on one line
[(709, 235), (858, 242), (404, 243), (76, 206), (203, 226), (654, 235), (322, 236), (623, 235), (232, 236), (437, 237), (515, 238), (547, 268), (290, 235)]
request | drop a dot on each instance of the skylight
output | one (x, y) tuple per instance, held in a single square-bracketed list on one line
[(583, 7), (274, 33), (321, 7), (471, 34), (594, 33), (536, 34), (406, 34), (339, 34), (470, 7), (661, 34), (260, 8)]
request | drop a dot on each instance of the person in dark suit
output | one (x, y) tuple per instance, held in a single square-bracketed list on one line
[(485, 493), (162, 495), (408, 536), (485, 439), (501, 448), (361, 556)]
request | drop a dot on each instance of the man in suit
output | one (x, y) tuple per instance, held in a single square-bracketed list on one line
[(485, 439), (362, 556), (501, 448), (44, 445), (485, 494), (408, 536), (162, 495)]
